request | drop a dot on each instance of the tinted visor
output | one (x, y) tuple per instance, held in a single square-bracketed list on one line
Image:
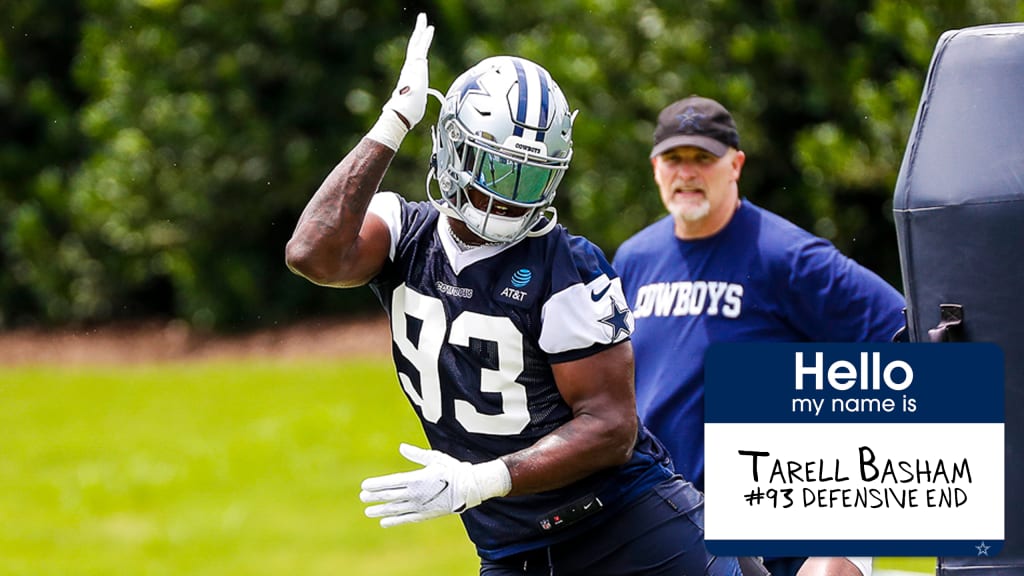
[(511, 180)]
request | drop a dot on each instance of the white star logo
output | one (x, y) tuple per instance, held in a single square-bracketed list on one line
[(982, 549)]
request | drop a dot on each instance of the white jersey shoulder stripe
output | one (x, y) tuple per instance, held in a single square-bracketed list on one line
[(583, 315), (388, 206)]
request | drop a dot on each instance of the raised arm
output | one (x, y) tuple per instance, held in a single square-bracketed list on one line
[(335, 243)]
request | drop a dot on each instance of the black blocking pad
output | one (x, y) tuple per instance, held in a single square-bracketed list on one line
[(959, 211)]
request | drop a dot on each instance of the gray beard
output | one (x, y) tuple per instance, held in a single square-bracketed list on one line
[(691, 214)]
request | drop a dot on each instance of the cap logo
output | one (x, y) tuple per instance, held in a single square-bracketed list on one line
[(690, 120), (695, 121)]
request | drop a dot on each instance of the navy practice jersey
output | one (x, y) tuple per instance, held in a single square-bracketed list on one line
[(760, 279), (474, 335)]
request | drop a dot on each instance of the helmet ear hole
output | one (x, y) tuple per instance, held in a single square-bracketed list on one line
[(455, 134)]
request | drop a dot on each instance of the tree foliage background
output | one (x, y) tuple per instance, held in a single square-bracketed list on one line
[(157, 153)]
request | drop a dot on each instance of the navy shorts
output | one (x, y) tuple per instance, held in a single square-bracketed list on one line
[(659, 534)]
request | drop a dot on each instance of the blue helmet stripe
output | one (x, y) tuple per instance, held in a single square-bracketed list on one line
[(543, 104), (523, 99)]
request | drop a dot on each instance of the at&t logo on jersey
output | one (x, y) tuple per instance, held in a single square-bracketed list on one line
[(521, 277), (515, 287), (689, 299)]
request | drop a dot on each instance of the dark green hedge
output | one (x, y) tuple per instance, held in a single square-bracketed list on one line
[(157, 154)]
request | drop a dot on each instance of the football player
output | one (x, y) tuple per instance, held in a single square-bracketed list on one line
[(510, 336)]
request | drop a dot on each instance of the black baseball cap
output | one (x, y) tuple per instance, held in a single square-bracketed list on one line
[(695, 121)]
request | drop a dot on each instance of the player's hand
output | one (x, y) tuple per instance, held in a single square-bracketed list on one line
[(443, 486), (408, 101)]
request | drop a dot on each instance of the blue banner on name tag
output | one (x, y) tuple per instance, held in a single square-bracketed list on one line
[(854, 383), (854, 449)]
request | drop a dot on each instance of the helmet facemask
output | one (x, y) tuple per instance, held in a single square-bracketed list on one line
[(505, 132)]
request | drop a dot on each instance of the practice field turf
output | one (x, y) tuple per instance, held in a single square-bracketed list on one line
[(914, 565), (213, 468)]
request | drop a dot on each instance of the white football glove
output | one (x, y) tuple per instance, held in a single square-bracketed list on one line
[(408, 102), (443, 486)]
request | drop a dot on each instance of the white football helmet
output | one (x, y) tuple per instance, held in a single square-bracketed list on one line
[(505, 129)]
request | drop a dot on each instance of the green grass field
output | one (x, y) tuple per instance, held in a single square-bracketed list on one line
[(214, 468), (920, 565)]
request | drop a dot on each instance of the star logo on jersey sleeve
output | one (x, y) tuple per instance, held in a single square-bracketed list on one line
[(618, 320)]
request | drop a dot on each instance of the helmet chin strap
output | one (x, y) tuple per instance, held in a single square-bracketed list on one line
[(440, 203), (547, 227), (440, 97)]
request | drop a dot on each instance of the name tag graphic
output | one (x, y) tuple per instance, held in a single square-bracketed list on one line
[(854, 449)]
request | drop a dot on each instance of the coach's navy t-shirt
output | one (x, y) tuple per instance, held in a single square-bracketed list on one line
[(760, 279)]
